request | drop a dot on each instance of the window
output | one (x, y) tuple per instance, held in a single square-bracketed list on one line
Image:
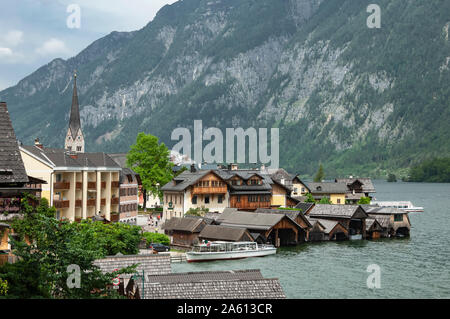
[(238, 198), (69, 148), (398, 218), (78, 148), (220, 199), (58, 177), (194, 200), (338, 200), (206, 199)]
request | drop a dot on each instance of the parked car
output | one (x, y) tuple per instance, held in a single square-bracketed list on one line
[(159, 247)]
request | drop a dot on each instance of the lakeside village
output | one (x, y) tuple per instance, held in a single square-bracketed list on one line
[(207, 206)]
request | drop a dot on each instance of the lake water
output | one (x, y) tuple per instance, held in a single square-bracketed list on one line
[(417, 267)]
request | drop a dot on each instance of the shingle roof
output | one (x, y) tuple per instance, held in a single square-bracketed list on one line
[(250, 274), (216, 289), (121, 160), (225, 233), (383, 220), (328, 188), (372, 221), (367, 185), (251, 220), (151, 264), (340, 211), (328, 225), (184, 224), (375, 209), (293, 214), (305, 207), (60, 158), (12, 169)]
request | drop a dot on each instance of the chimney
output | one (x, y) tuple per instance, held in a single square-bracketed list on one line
[(282, 181), (193, 170), (38, 144)]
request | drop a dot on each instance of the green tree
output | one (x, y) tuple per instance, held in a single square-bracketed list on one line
[(46, 247), (3, 287), (325, 200), (392, 178), (320, 175), (151, 161), (364, 201), (310, 198)]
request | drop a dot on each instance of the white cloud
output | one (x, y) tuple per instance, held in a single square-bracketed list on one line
[(12, 38), (5, 52), (52, 47)]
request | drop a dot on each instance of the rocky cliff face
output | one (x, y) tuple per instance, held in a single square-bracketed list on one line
[(360, 100)]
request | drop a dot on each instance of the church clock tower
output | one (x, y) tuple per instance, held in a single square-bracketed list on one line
[(74, 138)]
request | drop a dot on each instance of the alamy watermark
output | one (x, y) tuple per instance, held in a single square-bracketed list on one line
[(374, 20), (74, 278), (74, 19), (213, 152), (374, 279)]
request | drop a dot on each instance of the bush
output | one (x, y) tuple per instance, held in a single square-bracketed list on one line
[(156, 238)]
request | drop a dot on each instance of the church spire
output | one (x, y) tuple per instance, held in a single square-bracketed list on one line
[(74, 138)]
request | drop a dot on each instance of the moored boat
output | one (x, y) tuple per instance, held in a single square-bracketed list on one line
[(403, 205), (221, 250)]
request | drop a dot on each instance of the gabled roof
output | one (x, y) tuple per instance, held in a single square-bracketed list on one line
[(367, 185), (375, 209), (194, 225), (305, 207), (12, 169), (151, 264), (225, 233), (328, 225), (293, 214), (251, 220), (55, 157), (372, 223), (328, 188), (337, 211), (251, 274)]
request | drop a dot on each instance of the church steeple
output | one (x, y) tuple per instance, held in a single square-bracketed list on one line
[(74, 138)]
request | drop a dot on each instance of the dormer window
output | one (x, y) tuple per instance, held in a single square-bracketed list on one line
[(319, 188)]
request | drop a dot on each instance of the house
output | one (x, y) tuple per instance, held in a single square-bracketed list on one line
[(225, 233), (278, 229), (184, 232), (357, 188), (295, 184), (374, 229), (79, 185), (352, 217), (335, 192), (237, 284), (130, 183), (394, 221), (324, 229)]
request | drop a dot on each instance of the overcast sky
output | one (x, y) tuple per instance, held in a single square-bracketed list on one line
[(34, 32)]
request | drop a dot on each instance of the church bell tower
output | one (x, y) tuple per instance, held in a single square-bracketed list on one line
[(74, 138)]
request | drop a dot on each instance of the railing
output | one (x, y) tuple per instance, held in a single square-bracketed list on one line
[(103, 184), (79, 185), (103, 201), (115, 184), (92, 185), (115, 201), (78, 203), (61, 203), (61, 185), (209, 190)]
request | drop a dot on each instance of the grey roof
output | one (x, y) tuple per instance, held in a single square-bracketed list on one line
[(61, 158), (121, 160), (184, 224), (328, 225), (225, 233), (250, 274), (367, 185), (215, 289), (375, 209), (251, 220), (293, 214), (383, 220), (74, 121), (339, 211), (328, 188), (305, 207), (158, 264), (12, 169), (371, 221)]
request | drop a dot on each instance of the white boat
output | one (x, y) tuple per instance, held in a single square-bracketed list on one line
[(403, 205), (221, 250)]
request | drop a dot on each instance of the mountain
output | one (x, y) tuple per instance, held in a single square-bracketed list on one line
[(359, 100)]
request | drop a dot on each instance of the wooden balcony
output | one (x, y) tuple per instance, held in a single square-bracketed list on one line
[(92, 185), (91, 202), (103, 202), (115, 184), (209, 190), (61, 203), (103, 185), (78, 203), (115, 201), (79, 185), (61, 185)]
